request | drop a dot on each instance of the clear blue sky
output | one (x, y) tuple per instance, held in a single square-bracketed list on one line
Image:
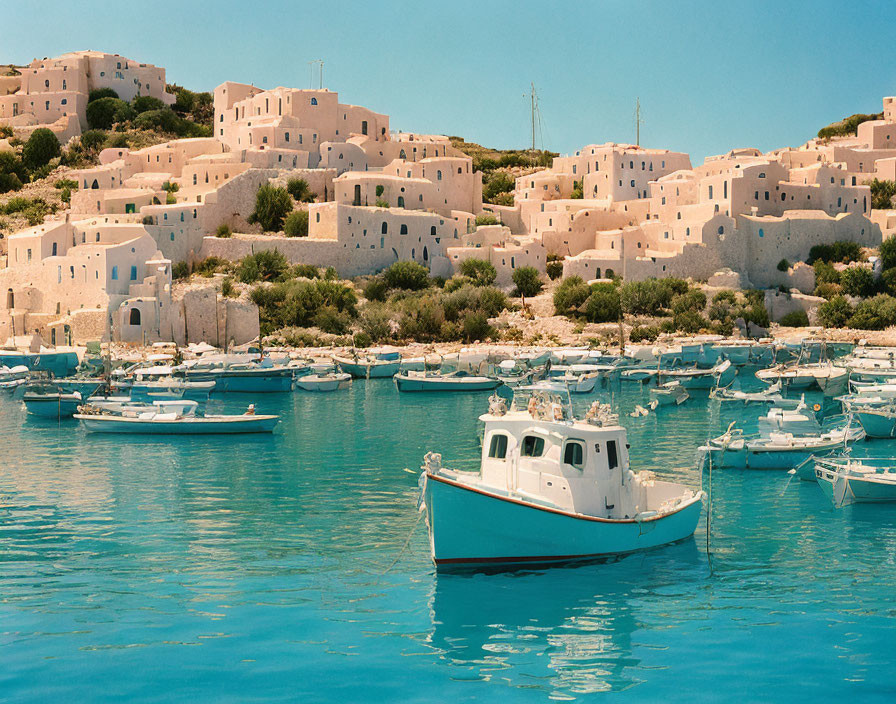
[(710, 75)]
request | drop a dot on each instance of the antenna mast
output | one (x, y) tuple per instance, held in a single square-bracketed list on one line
[(532, 95), (638, 122)]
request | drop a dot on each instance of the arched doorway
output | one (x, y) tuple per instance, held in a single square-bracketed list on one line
[(134, 316), (10, 299)]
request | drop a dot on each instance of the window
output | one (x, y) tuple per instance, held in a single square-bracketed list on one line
[(134, 317), (533, 446), (403, 230), (314, 101), (498, 447), (574, 454), (612, 458), (114, 273), (287, 136), (133, 273), (710, 192)]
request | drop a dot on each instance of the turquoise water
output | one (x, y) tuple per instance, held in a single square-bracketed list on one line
[(294, 567)]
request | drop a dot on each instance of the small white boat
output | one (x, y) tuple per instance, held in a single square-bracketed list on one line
[(439, 381), (775, 450), (721, 374), (550, 489), (668, 394), (867, 388), (368, 366), (324, 380), (771, 395), (846, 480), (11, 377), (789, 376), (878, 421), (642, 374), (578, 378), (172, 418)]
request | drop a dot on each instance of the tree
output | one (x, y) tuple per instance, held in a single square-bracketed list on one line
[(570, 295), (298, 189), (296, 224), (783, 265), (882, 192), (105, 112), (495, 184), (93, 140), (795, 319), (410, 276), (480, 271), (604, 304), (834, 313), (272, 205), (144, 103), (41, 146), (266, 265), (528, 281), (857, 281), (486, 219), (100, 93), (888, 253)]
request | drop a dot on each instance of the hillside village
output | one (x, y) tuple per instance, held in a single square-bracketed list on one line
[(115, 186)]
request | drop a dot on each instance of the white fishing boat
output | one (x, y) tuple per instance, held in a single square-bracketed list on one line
[(867, 388), (831, 379), (672, 393), (847, 480), (324, 377), (447, 381), (871, 369), (11, 377), (513, 373), (775, 449), (642, 374), (739, 352), (550, 489), (368, 366), (178, 418), (771, 395), (578, 378), (721, 374)]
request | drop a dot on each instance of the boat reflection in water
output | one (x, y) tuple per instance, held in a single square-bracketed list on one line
[(566, 631)]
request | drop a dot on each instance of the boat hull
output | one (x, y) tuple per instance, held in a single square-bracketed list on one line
[(422, 384), (877, 425), (469, 527), (254, 384), (52, 407), (843, 490), (776, 459), (359, 370), (191, 426)]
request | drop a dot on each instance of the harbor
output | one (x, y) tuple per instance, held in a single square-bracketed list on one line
[(312, 535)]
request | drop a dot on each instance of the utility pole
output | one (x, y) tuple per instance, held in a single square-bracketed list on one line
[(320, 85), (532, 94)]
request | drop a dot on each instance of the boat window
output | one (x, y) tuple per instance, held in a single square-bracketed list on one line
[(498, 447), (533, 446), (612, 459), (574, 454)]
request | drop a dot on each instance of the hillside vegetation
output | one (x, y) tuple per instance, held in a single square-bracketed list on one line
[(848, 126), (501, 167)]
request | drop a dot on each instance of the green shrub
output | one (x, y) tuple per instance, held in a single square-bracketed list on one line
[(224, 231), (825, 273), (407, 275), (689, 321), (100, 93), (694, 300), (857, 281), (725, 295), (847, 126), (6, 132), (296, 224), (795, 319), (103, 113), (476, 327), (888, 280), (496, 183), (882, 193), (9, 182), (828, 290), (93, 140), (302, 303), (169, 122), (227, 288), (209, 266), (380, 203), (577, 190), (145, 103), (41, 147), (66, 195), (304, 271), (876, 313), (486, 219), (180, 270), (379, 191), (648, 297), (783, 265), (272, 205), (641, 333), (835, 313), (479, 271), (298, 189), (266, 265), (333, 321), (570, 295), (66, 183), (376, 289), (604, 304), (888, 253), (840, 251), (527, 281), (554, 269), (170, 198), (376, 322)]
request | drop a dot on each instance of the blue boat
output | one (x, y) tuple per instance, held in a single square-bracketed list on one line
[(58, 364), (49, 401)]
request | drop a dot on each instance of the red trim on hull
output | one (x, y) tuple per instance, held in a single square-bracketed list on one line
[(569, 514)]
